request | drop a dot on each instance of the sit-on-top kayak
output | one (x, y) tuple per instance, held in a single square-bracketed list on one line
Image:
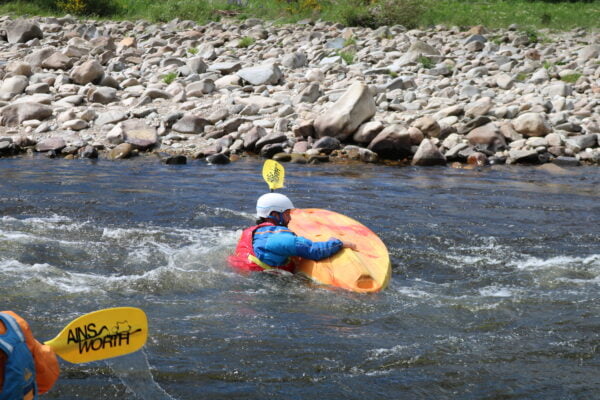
[(366, 270)]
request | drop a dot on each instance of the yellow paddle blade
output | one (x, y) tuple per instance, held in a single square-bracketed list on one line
[(107, 333), (273, 173)]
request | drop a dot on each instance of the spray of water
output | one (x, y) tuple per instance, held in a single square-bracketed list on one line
[(134, 371)]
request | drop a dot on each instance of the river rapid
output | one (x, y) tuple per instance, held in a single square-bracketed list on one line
[(493, 295)]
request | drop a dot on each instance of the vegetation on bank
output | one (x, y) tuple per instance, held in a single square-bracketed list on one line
[(552, 14)]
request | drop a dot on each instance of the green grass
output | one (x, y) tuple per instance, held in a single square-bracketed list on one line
[(426, 62), (193, 51), (502, 13), (169, 78), (347, 56), (246, 41), (571, 78), (530, 16), (522, 77), (349, 42)]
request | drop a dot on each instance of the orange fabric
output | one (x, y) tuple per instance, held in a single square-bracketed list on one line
[(46, 364)]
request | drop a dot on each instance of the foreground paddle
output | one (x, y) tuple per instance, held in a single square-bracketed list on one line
[(102, 334), (273, 173)]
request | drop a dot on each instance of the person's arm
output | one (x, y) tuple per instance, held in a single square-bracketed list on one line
[(306, 248), (46, 364)]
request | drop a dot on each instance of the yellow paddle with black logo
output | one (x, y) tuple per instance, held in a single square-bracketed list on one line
[(102, 334), (273, 173)]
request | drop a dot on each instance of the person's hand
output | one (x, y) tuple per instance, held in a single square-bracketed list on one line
[(346, 244)]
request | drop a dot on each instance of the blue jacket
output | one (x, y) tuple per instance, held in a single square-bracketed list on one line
[(273, 245), (19, 369)]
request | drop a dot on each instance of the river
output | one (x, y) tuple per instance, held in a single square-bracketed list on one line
[(493, 295)]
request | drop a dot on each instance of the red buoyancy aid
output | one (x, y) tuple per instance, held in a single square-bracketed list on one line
[(240, 258)]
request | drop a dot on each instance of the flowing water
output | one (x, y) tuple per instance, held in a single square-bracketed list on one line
[(494, 289)]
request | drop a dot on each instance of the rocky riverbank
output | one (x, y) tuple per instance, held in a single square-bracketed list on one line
[(303, 92)]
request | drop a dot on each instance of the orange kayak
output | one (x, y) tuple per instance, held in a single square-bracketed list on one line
[(366, 270)]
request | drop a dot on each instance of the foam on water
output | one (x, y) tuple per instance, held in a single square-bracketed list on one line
[(564, 262), (144, 258)]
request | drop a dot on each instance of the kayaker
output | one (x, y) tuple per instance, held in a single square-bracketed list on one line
[(270, 244), (27, 367)]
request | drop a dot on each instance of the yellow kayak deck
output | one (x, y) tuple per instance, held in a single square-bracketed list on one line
[(366, 270)]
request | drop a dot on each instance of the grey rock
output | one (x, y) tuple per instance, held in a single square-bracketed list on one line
[(271, 138), (36, 58), (583, 141), (190, 124), (368, 156), (111, 117), (232, 125), (200, 88), (19, 68), (563, 161), (401, 82), (225, 68), (121, 151), (367, 132), (88, 72), (428, 154), (138, 133), (327, 144), (345, 116), (50, 144), (294, 60), (154, 93), (428, 125), (13, 86), (253, 136), (57, 61), (196, 65), (16, 113), (309, 94), (22, 31), (268, 74), (524, 156), (88, 152), (489, 136), (557, 89), (270, 150), (335, 44), (532, 124), (218, 159), (103, 95), (392, 143)]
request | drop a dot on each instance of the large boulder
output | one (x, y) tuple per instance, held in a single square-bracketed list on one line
[(532, 124), (345, 116), (21, 31), (392, 143), (16, 113), (268, 74)]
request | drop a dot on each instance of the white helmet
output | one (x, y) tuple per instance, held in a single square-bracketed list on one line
[(272, 202)]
